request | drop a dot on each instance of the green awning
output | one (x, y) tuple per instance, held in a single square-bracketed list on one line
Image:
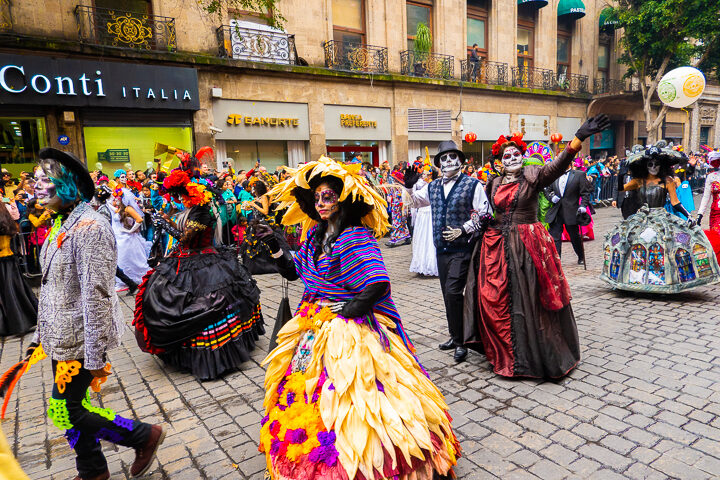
[(606, 20), (533, 3), (573, 9)]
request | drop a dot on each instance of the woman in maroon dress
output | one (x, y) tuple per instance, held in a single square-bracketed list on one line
[(516, 290)]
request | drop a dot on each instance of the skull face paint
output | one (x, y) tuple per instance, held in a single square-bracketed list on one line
[(653, 167), (512, 159), (45, 190), (326, 201), (450, 164)]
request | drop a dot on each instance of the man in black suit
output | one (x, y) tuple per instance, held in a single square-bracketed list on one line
[(566, 193)]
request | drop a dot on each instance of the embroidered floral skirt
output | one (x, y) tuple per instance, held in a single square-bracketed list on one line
[(341, 404)]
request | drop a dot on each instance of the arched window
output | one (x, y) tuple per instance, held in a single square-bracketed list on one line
[(686, 272), (656, 265), (702, 261), (638, 264)]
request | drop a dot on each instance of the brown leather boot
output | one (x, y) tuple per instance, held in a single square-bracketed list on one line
[(145, 454), (103, 476)]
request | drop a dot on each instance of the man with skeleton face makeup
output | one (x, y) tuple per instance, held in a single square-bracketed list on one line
[(79, 318), (454, 199)]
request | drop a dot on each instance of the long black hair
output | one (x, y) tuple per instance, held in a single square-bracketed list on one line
[(350, 211), (8, 226)]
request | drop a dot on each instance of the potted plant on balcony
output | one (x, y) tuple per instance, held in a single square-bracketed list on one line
[(422, 46)]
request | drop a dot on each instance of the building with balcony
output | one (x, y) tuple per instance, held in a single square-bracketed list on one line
[(108, 79)]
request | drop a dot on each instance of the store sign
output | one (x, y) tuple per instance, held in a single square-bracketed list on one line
[(486, 125), (235, 119), (345, 122), (534, 127), (250, 120), (349, 120), (38, 80), (114, 155)]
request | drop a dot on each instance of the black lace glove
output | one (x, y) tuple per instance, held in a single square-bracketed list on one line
[(266, 235), (411, 177), (592, 126), (681, 209), (362, 303)]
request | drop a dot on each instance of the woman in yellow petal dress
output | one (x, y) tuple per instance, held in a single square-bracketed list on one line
[(346, 398)]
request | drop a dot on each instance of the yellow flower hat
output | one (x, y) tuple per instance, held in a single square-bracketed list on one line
[(356, 187)]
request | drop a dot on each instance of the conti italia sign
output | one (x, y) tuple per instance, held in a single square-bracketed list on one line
[(236, 119), (252, 120)]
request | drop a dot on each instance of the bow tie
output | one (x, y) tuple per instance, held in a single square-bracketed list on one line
[(447, 180)]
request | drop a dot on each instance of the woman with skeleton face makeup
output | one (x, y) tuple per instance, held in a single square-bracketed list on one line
[(518, 301), (653, 250), (347, 322)]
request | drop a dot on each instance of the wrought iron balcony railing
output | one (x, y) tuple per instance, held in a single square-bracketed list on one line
[(608, 85), (572, 83), (255, 45), (483, 71), (531, 77), (118, 28), (355, 57), (429, 65)]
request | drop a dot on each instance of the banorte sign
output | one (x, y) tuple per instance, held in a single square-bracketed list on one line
[(236, 119)]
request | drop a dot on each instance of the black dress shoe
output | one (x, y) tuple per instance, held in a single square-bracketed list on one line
[(581, 261), (460, 354), (449, 345)]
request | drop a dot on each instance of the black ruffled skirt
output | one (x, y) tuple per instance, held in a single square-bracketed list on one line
[(18, 304), (199, 311)]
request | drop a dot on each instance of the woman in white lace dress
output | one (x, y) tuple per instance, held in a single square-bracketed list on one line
[(424, 260)]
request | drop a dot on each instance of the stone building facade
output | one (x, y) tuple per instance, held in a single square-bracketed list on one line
[(342, 78)]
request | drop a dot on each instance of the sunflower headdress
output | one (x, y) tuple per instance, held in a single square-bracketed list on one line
[(355, 189)]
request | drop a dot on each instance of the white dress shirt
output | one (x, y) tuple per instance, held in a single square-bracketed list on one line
[(480, 202), (562, 183)]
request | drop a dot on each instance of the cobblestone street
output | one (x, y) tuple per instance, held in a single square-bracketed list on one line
[(644, 403)]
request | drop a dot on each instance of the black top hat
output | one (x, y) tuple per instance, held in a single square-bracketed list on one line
[(445, 147), (85, 183)]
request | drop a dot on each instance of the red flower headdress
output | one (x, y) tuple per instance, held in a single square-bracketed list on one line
[(177, 180), (516, 139)]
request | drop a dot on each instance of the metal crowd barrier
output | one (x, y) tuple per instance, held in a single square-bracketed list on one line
[(608, 185)]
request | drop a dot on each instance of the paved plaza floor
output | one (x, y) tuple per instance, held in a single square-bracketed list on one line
[(644, 403)]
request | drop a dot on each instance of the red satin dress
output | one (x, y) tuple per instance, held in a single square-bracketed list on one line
[(526, 323)]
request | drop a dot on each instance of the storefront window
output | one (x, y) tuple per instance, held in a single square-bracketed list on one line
[(704, 135), (479, 153), (20, 141), (345, 151), (245, 153), (115, 146)]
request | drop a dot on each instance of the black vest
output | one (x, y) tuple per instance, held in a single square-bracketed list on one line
[(453, 211)]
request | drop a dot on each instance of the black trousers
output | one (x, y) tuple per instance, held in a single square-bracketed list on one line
[(86, 425), (452, 270), (556, 230)]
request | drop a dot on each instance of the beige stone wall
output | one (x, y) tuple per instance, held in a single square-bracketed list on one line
[(311, 23), (317, 92)]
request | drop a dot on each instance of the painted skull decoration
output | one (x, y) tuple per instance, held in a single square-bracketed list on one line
[(653, 167), (450, 164), (512, 159), (45, 188)]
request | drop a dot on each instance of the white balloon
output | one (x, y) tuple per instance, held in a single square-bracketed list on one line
[(681, 87)]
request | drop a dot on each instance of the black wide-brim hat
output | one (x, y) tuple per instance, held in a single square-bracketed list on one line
[(85, 183), (446, 147)]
